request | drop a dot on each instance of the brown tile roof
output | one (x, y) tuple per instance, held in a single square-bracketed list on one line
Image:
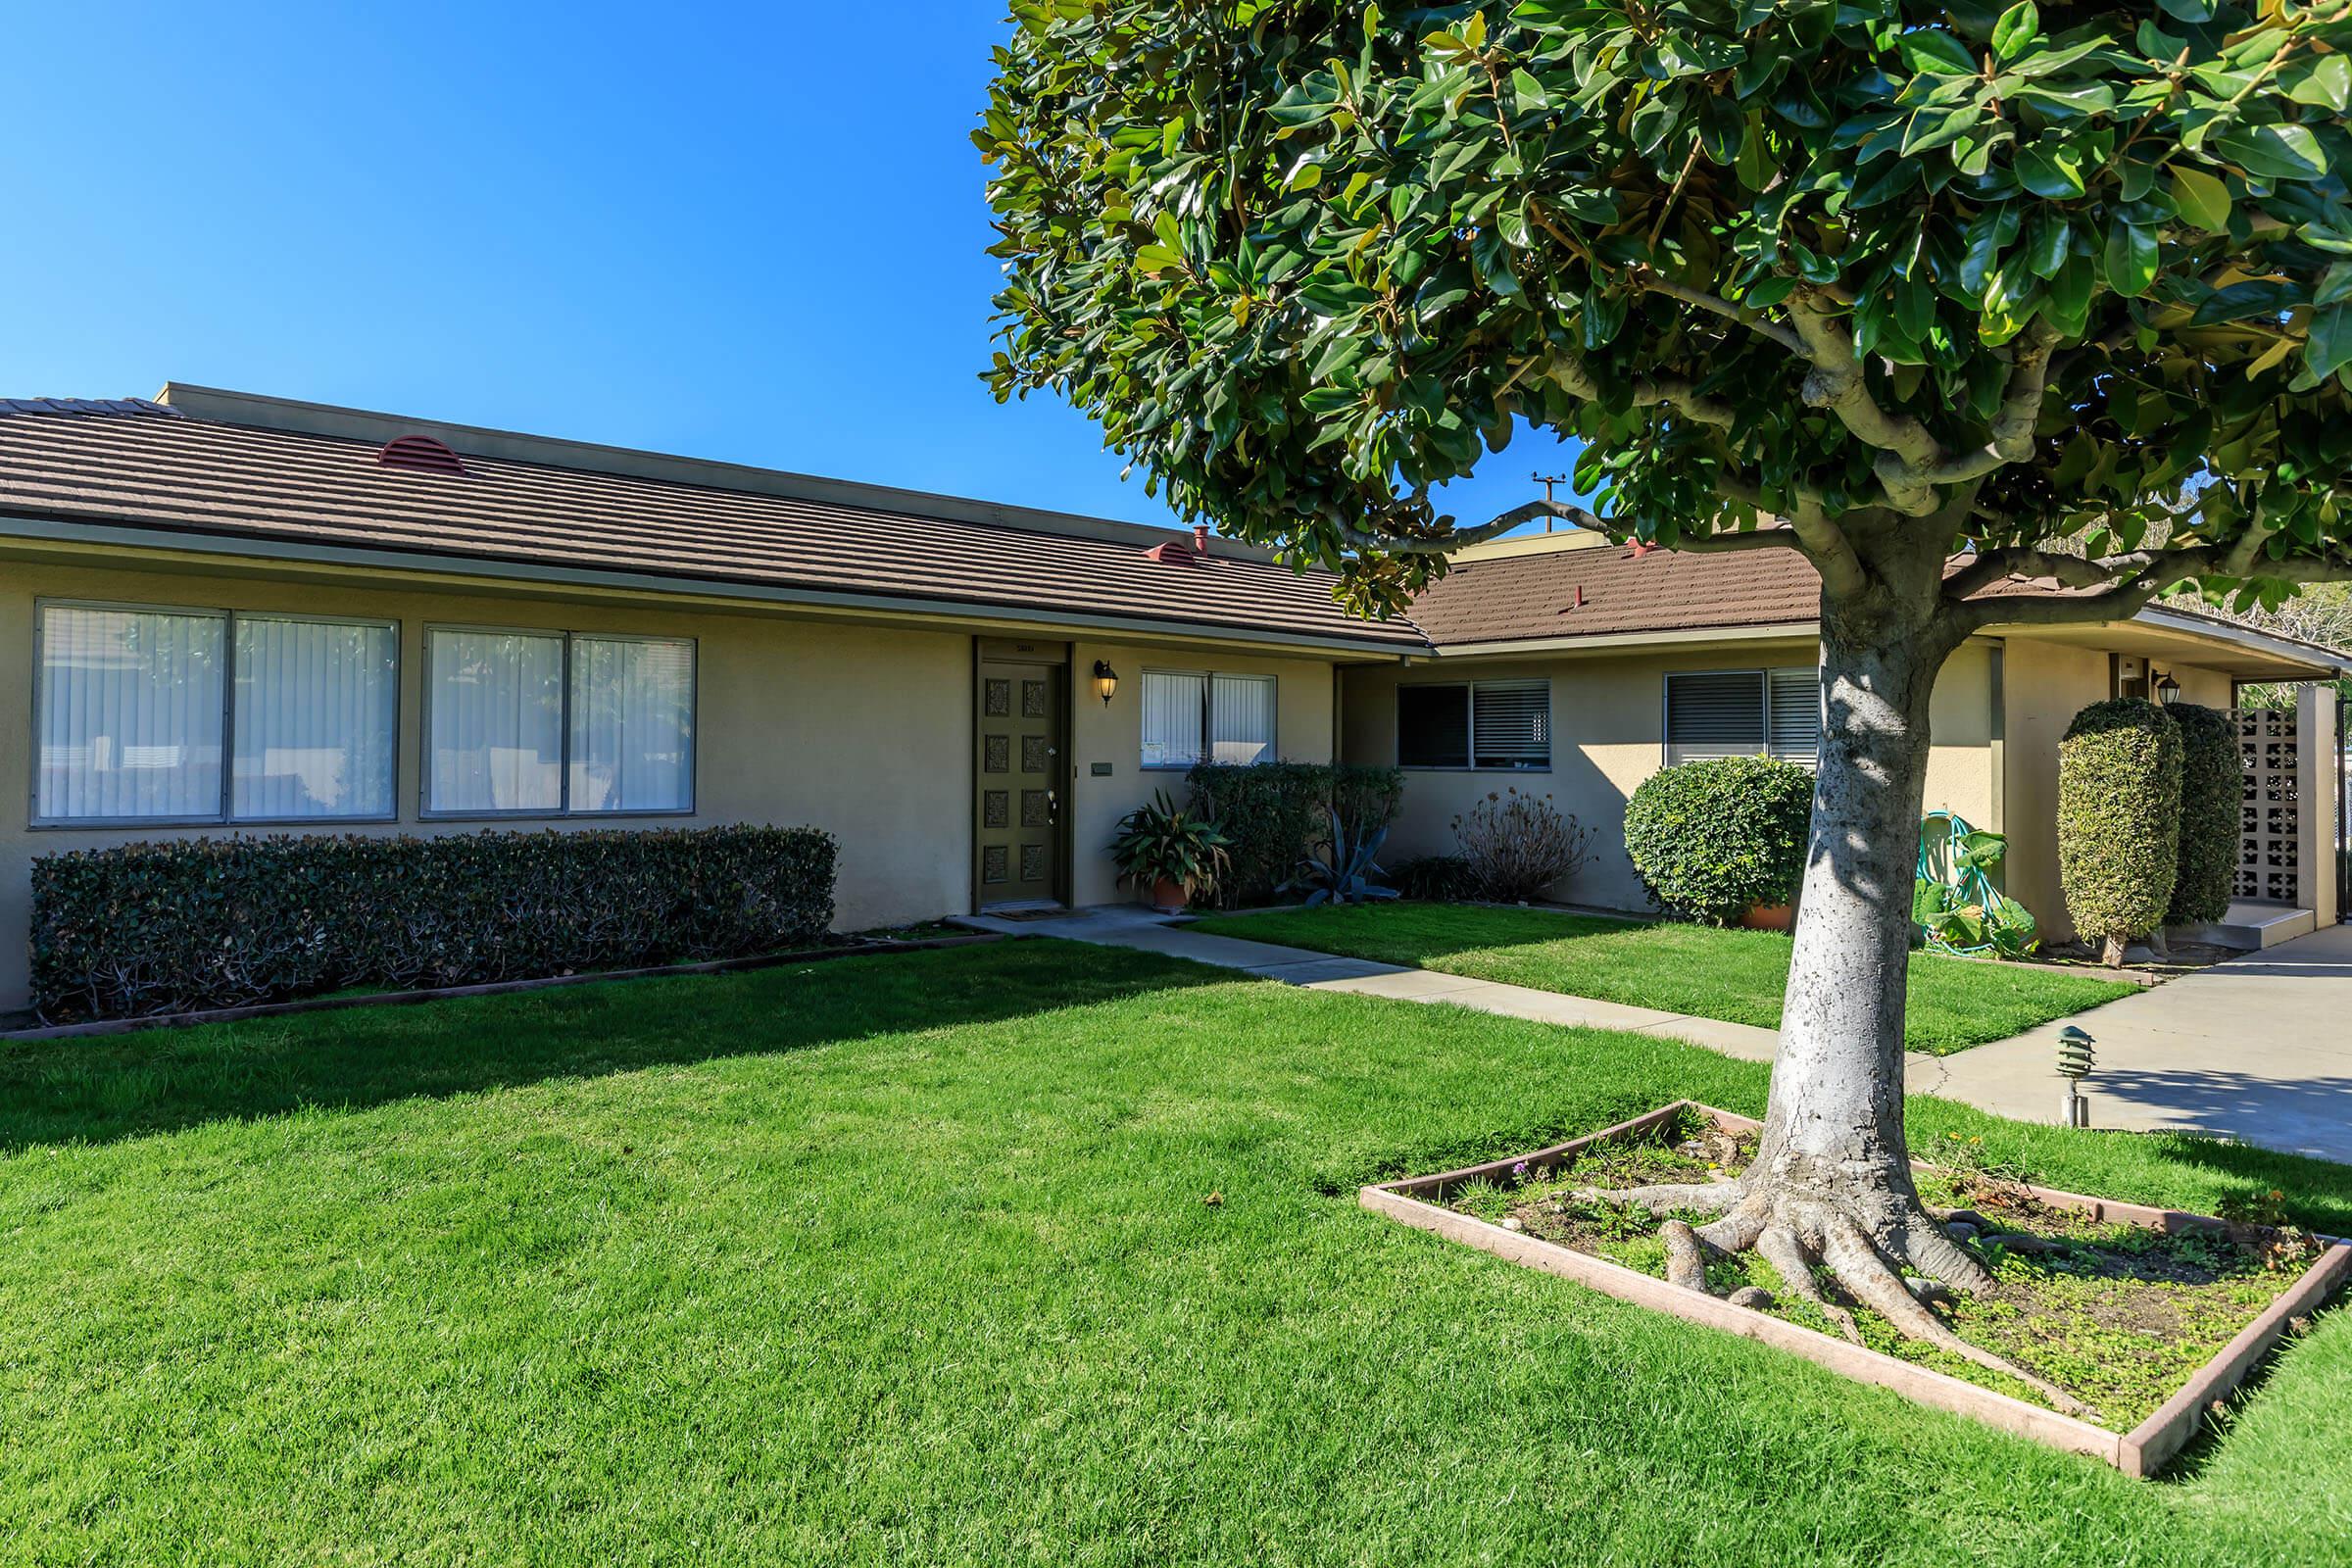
[(1521, 598), (157, 469)]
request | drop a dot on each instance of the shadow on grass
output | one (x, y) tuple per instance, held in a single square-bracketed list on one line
[(96, 1090)]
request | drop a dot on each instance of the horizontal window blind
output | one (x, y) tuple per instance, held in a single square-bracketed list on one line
[(1796, 714), (130, 714), (1718, 714), (1511, 724)]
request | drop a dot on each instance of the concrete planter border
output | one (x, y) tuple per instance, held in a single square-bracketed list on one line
[(489, 988), (2139, 1452)]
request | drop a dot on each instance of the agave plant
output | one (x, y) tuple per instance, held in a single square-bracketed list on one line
[(1341, 871), (1162, 842)]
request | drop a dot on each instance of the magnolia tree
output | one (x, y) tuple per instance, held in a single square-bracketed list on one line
[(1998, 318)]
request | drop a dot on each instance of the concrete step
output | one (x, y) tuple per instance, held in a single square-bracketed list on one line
[(2251, 926)]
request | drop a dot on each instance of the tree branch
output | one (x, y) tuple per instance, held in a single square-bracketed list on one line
[(1649, 280), (1908, 448), (1362, 538), (2014, 422)]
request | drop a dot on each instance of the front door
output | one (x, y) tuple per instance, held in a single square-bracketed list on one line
[(1021, 778)]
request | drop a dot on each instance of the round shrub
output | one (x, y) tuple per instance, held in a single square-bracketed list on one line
[(1711, 840), (2119, 819), (2212, 796)]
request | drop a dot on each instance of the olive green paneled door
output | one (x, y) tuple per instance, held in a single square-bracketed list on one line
[(1020, 780)]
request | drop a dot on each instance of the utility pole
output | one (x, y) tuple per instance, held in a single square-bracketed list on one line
[(1547, 480)]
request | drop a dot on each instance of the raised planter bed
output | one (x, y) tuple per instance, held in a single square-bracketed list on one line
[(1419, 1200)]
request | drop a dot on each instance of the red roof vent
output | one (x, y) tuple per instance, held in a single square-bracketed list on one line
[(1170, 553), (1641, 547), (421, 453)]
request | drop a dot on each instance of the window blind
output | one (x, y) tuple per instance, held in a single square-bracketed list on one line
[(1718, 714), (1240, 718), (315, 707), (496, 741), (1511, 724), (1796, 714), (1174, 707), (632, 724), (130, 714)]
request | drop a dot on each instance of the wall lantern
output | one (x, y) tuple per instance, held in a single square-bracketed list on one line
[(1106, 681), (2166, 690)]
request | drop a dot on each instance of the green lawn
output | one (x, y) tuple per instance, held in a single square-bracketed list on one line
[(1733, 975), (910, 1259)]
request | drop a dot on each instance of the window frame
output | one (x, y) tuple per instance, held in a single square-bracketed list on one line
[(1471, 764), (1763, 674), (1209, 717), (425, 811), (229, 618)]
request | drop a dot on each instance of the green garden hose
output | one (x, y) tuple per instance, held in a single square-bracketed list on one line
[(1953, 899)]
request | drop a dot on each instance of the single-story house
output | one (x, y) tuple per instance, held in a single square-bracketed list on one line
[(225, 612)]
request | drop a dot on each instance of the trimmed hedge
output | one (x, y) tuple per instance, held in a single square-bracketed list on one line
[(1275, 813), (2119, 819), (223, 923), (1710, 840), (2212, 797)]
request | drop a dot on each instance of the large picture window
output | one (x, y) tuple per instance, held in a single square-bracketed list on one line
[(201, 715), (530, 723), (1744, 713), (1191, 716), (1487, 724)]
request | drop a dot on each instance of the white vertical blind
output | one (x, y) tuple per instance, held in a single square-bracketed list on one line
[(632, 724), (1797, 714), (1719, 714), (1240, 718), (130, 713), (316, 705), (1173, 711), (1510, 723), (496, 741)]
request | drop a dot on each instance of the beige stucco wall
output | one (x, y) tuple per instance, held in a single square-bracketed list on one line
[(1115, 734), (1607, 715), (864, 732)]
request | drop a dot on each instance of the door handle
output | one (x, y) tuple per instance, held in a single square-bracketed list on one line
[(1052, 806)]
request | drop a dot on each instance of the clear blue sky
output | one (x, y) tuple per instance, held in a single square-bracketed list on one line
[(734, 232)]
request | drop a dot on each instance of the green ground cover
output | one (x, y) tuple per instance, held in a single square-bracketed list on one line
[(1701, 970), (914, 1258)]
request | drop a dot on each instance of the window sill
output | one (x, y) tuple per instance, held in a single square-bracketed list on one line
[(553, 816), (71, 825), (1448, 768)]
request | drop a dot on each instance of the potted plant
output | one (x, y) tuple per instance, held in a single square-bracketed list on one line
[(1170, 851)]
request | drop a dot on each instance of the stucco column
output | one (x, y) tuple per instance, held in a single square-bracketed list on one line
[(2319, 758)]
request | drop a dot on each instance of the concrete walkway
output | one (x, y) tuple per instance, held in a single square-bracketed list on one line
[(1130, 925), (2259, 1049)]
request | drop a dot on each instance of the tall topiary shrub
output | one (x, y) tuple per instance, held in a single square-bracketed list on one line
[(1276, 814), (2119, 820), (2212, 796), (1713, 840)]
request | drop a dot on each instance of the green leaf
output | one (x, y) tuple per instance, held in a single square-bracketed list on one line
[(1931, 51), (2201, 198), (2050, 168), (2132, 258), (2324, 80), (2330, 348), (2018, 28), (2271, 152), (2188, 10), (1528, 93)]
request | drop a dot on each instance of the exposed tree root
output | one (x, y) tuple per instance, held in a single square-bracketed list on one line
[(1793, 1231)]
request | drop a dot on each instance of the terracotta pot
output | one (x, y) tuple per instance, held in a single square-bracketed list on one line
[(1168, 896), (1770, 917)]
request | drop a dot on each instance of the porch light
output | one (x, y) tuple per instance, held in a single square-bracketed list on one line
[(2166, 689), (1106, 681)]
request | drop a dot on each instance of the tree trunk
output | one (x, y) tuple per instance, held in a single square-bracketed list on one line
[(1833, 1129)]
